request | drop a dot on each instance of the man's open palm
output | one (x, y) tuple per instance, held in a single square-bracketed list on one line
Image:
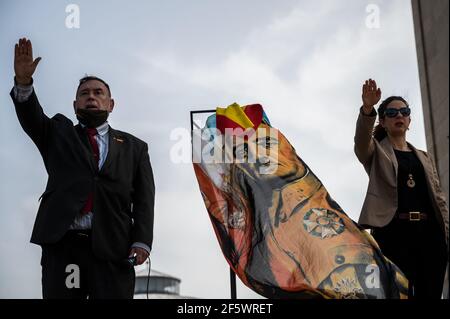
[(24, 66)]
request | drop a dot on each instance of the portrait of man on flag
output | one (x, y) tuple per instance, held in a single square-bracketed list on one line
[(279, 229)]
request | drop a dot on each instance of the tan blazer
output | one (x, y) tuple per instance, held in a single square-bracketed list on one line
[(381, 165)]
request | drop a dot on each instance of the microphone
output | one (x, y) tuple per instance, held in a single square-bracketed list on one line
[(132, 260)]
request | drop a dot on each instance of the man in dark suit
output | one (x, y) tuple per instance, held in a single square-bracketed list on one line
[(97, 209)]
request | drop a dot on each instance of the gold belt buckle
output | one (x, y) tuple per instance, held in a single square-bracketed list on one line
[(414, 216)]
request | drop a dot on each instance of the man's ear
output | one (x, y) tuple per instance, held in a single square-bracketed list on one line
[(382, 122), (74, 107), (111, 105)]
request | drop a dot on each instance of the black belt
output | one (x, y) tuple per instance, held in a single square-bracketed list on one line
[(412, 216)]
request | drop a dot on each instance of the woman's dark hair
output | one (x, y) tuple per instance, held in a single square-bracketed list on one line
[(379, 132)]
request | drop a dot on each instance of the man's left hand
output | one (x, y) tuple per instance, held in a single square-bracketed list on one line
[(141, 254)]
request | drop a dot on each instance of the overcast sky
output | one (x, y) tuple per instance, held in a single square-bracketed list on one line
[(304, 61)]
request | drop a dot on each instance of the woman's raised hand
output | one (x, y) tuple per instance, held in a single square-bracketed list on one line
[(371, 95)]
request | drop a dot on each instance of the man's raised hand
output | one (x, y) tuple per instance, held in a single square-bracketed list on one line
[(24, 65)]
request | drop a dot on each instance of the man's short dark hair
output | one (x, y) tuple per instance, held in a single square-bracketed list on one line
[(92, 77)]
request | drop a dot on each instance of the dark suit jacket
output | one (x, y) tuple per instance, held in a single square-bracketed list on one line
[(123, 189)]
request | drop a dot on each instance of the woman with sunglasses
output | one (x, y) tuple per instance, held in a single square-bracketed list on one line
[(404, 206)]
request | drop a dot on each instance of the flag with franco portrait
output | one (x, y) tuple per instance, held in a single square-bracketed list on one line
[(278, 228)]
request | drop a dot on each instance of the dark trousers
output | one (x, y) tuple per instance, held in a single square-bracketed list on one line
[(418, 248), (71, 271)]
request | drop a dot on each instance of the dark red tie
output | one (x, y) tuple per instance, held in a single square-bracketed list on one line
[(91, 132)]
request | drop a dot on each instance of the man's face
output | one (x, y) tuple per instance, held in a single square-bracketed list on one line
[(275, 158), (94, 95)]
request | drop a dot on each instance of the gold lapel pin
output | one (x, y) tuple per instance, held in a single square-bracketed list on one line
[(118, 140)]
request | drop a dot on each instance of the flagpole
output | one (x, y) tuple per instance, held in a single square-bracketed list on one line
[(232, 274), (232, 284)]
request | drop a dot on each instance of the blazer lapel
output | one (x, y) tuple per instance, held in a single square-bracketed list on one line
[(389, 150), (115, 141), (425, 163)]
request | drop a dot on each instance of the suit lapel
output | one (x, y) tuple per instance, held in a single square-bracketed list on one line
[(389, 150), (85, 146), (387, 147), (425, 163), (115, 141)]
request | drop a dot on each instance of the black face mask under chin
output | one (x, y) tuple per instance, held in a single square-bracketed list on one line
[(92, 118)]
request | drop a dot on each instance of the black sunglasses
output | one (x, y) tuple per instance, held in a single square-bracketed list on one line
[(391, 112)]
